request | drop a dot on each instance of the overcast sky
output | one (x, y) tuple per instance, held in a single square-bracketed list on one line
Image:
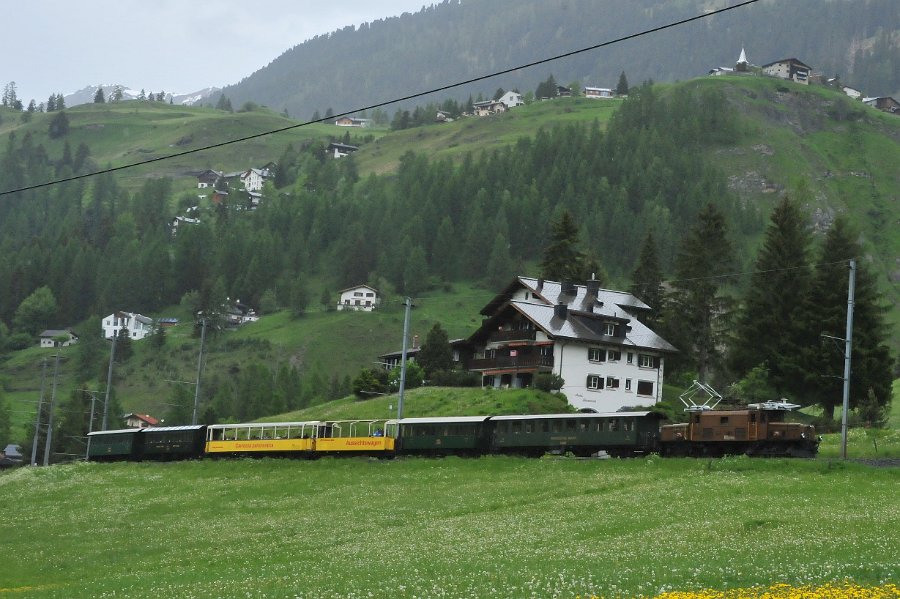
[(61, 46)]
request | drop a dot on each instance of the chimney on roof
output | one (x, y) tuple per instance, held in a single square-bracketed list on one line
[(540, 284), (569, 288), (561, 311), (593, 286)]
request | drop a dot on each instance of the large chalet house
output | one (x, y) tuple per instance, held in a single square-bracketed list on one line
[(591, 337), (789, 68)]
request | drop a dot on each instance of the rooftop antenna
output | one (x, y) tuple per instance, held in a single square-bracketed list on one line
[(691, 405)]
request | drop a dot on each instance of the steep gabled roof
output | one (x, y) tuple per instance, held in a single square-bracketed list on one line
[(586, 314)]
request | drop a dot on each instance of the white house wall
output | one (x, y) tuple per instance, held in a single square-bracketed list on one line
[(572, 364)]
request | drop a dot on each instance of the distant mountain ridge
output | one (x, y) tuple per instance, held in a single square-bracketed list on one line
[(455, 41), (87, 94)]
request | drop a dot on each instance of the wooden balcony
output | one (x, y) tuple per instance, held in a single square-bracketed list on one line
[(519, 335), (529, 362)]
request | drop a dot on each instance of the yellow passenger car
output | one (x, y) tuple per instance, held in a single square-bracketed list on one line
[(282, 438), (354, 436)]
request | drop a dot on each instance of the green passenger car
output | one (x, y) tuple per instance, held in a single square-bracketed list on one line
[(616, 433), (458, 435), (173, 442), (122, 444)]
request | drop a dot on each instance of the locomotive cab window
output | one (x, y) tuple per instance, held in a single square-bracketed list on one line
[(723, 420)]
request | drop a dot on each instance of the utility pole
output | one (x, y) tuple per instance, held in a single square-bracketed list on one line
[(50, 418), (199, 371), (848, 342), (37, 421), (112, 358), (408, 304), (87, 451)]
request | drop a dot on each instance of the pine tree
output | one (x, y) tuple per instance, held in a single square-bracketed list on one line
[(622, 86), (698, 312), (99, 97), (563, 260), (826, 314), (768, 331), (646, 281)]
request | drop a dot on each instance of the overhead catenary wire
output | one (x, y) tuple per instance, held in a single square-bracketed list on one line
[(386, 102)]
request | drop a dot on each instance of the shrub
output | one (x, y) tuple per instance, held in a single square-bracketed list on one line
[(547, 381)]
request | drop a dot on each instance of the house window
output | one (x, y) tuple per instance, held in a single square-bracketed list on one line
[(645, 388), (609, 329), (595, 354), (628, 384), (594, 382), (612, 383), (370, 295), (546, 350), (646, 361), (613, 355), (357, 294), (630, 357)]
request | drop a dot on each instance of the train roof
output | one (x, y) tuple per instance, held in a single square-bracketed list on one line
[(442, 420), (578, 415), (168, 429), (118, 431), (257, 424)]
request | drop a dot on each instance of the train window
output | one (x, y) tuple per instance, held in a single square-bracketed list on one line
[(598, 426), (723, 420), (516, 428), (582, 426), (557, 426), (570, 425), (627, 425), (545, 426), (697, 419), (529, 428), (614, 424), (752, 417), (707, 433)]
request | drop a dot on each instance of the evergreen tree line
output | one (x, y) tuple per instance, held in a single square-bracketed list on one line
[(773, 332)]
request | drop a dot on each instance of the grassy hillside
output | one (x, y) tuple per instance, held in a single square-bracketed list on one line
[(491, 527)]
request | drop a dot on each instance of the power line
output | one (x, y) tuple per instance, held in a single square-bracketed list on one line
[(387, 102)]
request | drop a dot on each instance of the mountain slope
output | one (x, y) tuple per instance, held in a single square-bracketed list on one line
[(452, 41)]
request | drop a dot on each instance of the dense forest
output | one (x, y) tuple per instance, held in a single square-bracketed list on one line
[(86, 241), (455, 41)]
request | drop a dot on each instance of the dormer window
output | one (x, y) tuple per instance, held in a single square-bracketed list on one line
[(609, 329)]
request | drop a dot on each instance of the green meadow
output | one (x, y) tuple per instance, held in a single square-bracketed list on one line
[(487, 527)]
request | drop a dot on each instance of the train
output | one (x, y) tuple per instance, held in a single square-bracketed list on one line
[(755, 430)]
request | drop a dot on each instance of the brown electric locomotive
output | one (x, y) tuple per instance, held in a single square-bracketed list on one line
[(757, 430)]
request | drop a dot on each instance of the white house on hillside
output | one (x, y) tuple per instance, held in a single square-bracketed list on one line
[(361, 297), (789, 68), (511, 99), (58, 338), (138, 326), (593, 338)]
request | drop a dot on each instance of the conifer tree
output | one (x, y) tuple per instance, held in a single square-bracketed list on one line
[(436, 354), (826, 313), (699, 311), (646, 281), (563, 259), (622, 86), (768, 330), (99, 97)]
